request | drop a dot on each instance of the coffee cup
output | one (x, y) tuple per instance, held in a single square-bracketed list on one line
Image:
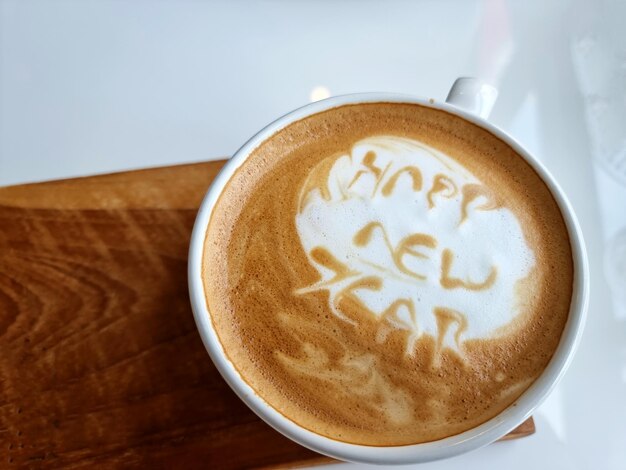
[(470, 100)]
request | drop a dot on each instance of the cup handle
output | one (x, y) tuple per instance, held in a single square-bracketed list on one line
[(473, 95)]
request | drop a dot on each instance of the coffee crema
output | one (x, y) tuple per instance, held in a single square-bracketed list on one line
[(387, 273)]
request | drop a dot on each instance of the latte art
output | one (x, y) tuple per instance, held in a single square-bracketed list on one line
[(387, 273), (403, 233)]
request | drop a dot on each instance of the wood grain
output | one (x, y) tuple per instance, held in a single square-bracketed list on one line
[(100, 360)]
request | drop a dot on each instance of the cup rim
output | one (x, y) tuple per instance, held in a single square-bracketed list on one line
[(474, 438)]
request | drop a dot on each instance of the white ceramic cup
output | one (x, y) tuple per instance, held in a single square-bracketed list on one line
[(472, 100)]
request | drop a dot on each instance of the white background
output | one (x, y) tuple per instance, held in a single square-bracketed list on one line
[(99, 86)]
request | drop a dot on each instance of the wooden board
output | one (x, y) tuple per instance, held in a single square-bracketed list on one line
[(100, 360)]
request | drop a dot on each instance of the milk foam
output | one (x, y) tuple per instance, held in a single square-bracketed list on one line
[(407, 234)]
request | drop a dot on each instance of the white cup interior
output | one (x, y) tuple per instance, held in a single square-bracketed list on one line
[(474, 438)]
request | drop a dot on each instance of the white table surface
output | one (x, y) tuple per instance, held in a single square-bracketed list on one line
[(98, 86)]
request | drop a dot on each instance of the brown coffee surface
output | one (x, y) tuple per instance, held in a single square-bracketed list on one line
[(336, 376)]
